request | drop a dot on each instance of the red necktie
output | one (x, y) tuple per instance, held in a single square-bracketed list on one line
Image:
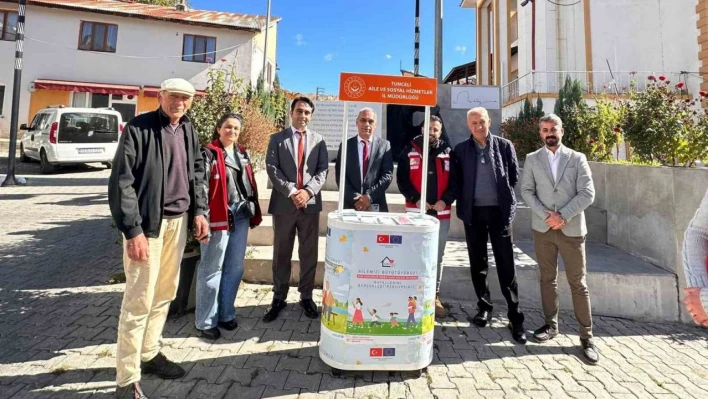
[(365, 157), (300, 159)]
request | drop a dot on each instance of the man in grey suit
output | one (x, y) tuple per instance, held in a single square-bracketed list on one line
[(296, 163), (369, 167), (557, 186)]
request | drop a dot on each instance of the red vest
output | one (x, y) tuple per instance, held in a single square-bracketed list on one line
[(442, 167), (218, 192)]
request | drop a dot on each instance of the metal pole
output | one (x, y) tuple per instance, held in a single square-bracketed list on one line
[(438, 40), (426, 147), (343, 158), (265, 47), (10, 179), (416, 55)]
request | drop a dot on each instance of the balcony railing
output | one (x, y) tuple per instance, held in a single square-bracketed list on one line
[(593, 82)]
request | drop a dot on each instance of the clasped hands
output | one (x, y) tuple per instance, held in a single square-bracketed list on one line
[(300, 198), (438, 207), (554, 220), (362, 202)]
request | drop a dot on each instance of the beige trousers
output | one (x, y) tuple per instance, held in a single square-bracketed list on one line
[(150, 286), (572, 249)]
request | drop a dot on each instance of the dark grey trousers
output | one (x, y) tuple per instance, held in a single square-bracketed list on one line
[(285, 227)]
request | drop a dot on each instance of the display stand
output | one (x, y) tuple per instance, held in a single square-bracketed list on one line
[(378, 306)]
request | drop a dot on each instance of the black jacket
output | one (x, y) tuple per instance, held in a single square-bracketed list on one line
[(378, 178), (464, 173), (136, 192), (403, 176)]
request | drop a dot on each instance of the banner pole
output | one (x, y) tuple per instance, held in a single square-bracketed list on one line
[(343, 158), (424, 170)]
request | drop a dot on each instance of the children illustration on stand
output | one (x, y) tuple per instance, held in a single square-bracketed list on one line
[(412, 306), (394, 319), (374, 317), (358, 314)]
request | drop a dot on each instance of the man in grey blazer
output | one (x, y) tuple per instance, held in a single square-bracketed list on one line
[(369, 167), (557, 185), (296, 163)]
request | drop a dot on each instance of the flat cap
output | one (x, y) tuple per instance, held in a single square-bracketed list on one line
[(178, 85)]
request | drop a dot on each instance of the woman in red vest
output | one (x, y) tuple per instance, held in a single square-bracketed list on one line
[(233, 208), (439, 200)]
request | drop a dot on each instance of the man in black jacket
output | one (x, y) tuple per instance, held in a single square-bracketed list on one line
[(484, 173), (154, 202)]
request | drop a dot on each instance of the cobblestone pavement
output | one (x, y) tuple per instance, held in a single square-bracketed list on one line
[(58, 321)]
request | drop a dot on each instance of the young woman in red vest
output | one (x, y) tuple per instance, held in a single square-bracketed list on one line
[(439, 200), (233, 208)]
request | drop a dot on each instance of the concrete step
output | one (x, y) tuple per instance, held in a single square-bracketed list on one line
[(521, 228), (620, 285)]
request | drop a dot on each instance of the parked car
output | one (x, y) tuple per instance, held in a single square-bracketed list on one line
[(60, 135)]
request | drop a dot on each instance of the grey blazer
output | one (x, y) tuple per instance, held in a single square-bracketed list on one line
[(281, 166), (378, 176), (570, 194)]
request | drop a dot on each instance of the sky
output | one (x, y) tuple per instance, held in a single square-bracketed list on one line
[(318, 39)]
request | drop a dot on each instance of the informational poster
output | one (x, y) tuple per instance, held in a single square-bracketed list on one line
[(328, 120), (379, 295)]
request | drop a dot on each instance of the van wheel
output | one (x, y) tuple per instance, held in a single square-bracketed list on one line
[(108, 165), (44, 166), (23, 157)]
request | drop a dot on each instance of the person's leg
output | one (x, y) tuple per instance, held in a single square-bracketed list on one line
[(476, 235), (442, 241), (308, 236), (283, 242), (167, 282), (572, 249), (503, 250), (140, 280), (209, 276), (233, 270), (547, 258)]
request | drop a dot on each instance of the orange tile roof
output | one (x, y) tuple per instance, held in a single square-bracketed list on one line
[(127, 8)]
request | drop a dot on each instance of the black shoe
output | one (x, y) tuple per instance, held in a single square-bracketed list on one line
[(545, 333), (163, 368), (482, 318), (211, 333), (132, 391), (518, 332), (228, 325), (592, 355), (274, 310), (310, 308)]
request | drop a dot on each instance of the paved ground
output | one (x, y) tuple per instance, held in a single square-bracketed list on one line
[(58, 321)]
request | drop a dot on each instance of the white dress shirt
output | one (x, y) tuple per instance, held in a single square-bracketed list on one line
[(361, 155), (554, 159)]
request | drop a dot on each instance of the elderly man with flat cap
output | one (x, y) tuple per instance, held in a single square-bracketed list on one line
[(154, 202)]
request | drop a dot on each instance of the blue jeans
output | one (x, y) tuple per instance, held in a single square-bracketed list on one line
[(219, 275)]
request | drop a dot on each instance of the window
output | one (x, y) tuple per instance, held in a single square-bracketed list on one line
[(199, 49), (8, 25), (95, 36), (2, 97)]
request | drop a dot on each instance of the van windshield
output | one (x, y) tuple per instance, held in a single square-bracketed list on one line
[(86, 127)]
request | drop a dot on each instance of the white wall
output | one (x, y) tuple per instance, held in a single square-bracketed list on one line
[(136, 37), (640, 35)]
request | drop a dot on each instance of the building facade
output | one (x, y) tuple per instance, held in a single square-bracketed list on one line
[(529, 47), (101, 53)]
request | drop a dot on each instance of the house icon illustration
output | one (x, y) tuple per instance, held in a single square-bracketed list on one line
[(387, 262)]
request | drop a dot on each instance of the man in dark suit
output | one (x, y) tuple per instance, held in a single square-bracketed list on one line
[(296, 163), (369, 167), (484, 173)]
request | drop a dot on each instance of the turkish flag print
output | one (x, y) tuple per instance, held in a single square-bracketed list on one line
[(375, 352), (382, 239)]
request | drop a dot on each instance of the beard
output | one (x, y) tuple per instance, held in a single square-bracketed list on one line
[(551, 141)]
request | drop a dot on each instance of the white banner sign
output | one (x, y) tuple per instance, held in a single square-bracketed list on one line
[(329, 117), (468, 97)]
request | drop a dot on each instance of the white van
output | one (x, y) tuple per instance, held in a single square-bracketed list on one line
[(66, 135)]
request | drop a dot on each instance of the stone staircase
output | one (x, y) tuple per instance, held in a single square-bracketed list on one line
[(620, 284)]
